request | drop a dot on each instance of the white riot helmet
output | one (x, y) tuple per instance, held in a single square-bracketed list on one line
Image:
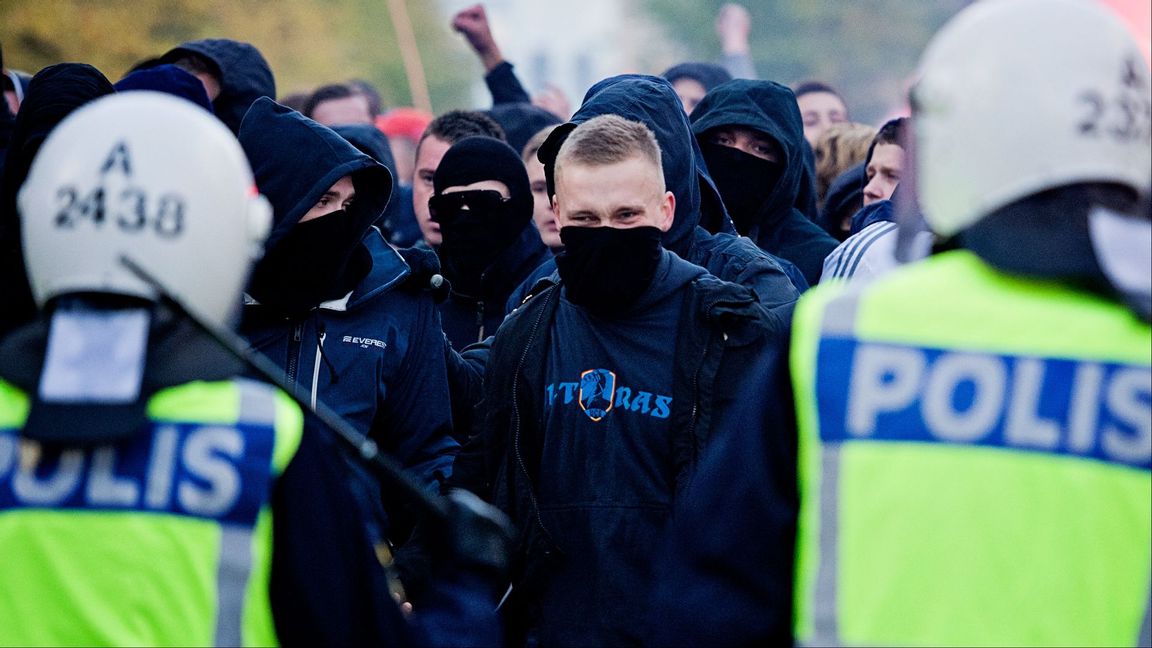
[(151, 177), (1018, 96)]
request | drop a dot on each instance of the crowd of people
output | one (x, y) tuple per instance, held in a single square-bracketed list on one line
[(697, 361)]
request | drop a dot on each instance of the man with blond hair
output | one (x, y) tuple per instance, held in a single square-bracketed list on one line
[(617, 368)]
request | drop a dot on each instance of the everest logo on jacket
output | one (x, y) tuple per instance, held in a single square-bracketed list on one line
[(597, 394), (365, 342)]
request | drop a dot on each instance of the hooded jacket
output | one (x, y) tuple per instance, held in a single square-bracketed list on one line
[(375, 356), (701, 232), (244, 75), (770, 108), (54, 93), (721, 333)]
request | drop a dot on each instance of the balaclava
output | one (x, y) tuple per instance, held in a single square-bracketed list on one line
[(475, 237)]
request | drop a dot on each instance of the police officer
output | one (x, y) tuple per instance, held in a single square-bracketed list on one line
[(975, 430), (980, 472), (145, 490)]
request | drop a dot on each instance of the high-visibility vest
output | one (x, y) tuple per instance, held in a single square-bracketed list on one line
[(164, 539), (975, 462)]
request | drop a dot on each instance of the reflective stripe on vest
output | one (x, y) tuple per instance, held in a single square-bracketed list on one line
[(965, 493), (163, 539)]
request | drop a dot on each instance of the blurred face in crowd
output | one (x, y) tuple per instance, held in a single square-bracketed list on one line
[(748, 140), (345, 110), (428, 156), (819, 110), (339, 196), (542, 213), (625, 194), (883, 172), (690, 92)]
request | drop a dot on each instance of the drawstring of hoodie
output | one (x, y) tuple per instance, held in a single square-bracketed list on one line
[(333, 377)]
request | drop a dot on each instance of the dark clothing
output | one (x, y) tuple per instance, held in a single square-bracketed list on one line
[(504, 86), (708, 75), (402, 229), (244, 75), (778, 226), (377, 358), (844, 198), (398, 223), (54, 93), (806, 194), (521, 121), (375, 355), (652, 101), (744, 497), (512, 107), (580, 570), (469, 319), (170, 80)]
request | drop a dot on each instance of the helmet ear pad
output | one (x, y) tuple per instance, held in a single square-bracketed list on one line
[(153, 178)]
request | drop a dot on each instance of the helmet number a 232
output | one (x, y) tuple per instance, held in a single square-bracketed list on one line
[(116, 202)]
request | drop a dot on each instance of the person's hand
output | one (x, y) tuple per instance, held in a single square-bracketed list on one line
[(733, 24), (472, 22), (554, 101)]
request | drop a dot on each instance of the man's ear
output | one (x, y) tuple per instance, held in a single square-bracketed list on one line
[(667, 211)]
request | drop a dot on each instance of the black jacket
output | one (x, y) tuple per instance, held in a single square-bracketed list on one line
[(779, 227), (723, 334), (244, 75)]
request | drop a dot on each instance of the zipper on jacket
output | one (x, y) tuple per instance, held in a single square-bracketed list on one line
[(516, 426), (316, 367), (696, 385), (480, 319), (294, 354)]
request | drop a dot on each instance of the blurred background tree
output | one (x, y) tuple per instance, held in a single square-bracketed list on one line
[(307, 42), (867, 49)]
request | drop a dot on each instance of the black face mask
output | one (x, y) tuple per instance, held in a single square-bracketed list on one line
[(745, 181), (605, 269), (472, 238), (315, 261)]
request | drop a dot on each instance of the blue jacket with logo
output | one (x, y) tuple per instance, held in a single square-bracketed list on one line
[(375, 356)]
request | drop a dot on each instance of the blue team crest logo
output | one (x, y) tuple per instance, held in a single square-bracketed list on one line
[(597, 387)]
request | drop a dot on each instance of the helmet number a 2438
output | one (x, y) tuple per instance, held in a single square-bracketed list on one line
[(131, 209), (115, 202)]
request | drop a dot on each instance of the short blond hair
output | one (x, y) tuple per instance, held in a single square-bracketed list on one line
[(840, 147), (609, 139)]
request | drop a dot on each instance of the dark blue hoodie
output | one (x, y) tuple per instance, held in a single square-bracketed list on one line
[(652, 101), (376, 356), (770, 108), (244, 75)]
